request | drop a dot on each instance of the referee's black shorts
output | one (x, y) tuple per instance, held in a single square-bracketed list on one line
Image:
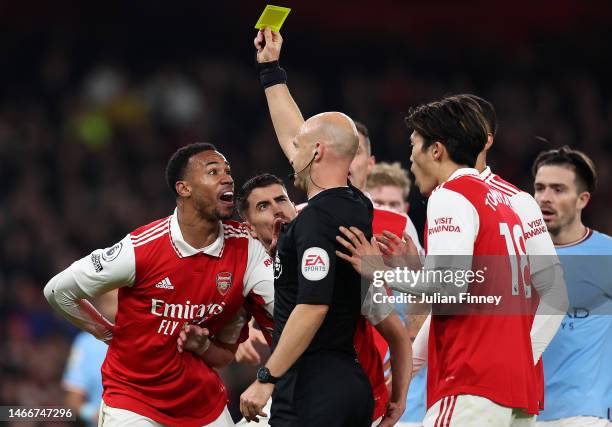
[(324, 389)]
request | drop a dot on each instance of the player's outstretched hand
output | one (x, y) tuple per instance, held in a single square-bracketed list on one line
[(247, 353), (254, 399), (268, 45), (399, 252), (193, 338), (365, 256), (393, 414)]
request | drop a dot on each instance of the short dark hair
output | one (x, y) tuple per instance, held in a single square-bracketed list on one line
[(486, 109), (258, 181), (362, 129), (580, 163), (177, 165), (459, 126)]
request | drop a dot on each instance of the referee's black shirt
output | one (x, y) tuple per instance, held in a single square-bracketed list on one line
[(308, 272)]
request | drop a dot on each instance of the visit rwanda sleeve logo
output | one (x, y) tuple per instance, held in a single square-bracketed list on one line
[(315, 263)]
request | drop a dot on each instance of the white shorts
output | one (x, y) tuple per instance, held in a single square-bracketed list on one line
[(467, 410), (115, 417), (576, 422), (407, 424), (263, 421)]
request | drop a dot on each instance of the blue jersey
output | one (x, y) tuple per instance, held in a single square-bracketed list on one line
[(83, 370), (578, 361), (417, 397)]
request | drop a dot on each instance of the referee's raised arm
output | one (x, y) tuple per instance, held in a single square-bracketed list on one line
[(317, 296), (285, 114)]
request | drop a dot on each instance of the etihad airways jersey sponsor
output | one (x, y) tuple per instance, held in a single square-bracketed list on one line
[(165, 284)]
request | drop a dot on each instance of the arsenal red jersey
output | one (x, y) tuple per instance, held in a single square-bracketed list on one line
[(485, 355), (168, 283)]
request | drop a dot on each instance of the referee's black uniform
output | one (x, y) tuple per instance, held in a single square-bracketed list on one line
[(326, 386)]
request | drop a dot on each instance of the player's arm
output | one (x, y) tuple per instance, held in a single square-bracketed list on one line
[(419, 347), (70, 292), (396, 335), (449, 251), (74, 381), (285, 114), (546, 274)]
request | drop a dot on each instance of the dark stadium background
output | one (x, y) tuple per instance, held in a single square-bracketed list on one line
[(94, 97)]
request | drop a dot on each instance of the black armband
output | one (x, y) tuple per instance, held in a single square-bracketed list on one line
[(270, 74)]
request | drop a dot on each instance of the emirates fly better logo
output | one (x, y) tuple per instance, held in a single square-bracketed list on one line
[(315, 263)]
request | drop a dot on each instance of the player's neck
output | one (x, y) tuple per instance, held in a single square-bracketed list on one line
[(570, 234), (446, 170), (198, 232)]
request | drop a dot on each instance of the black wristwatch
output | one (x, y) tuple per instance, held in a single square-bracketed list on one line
[(264, 376)]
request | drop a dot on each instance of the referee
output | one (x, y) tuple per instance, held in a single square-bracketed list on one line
[(317, 303)]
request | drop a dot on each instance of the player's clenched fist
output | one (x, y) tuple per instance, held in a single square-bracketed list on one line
[(268, 45), (193, 338)]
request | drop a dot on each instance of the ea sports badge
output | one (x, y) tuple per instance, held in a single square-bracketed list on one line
[(315, 264), (224, 282)]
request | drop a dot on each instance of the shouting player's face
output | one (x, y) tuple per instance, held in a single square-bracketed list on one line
[(266, 204), (210, 181), (361, 166), (422, 165), (559, 197)]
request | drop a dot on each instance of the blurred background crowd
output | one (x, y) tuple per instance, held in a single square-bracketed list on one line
[(94, 101)]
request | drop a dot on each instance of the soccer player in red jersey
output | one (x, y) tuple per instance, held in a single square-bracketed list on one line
[(481, 369), (262, 201), (183, 281), (544, 265)]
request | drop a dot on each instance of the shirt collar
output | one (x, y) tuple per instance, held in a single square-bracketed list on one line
[(486, 173), (184, 249), (463, 171)]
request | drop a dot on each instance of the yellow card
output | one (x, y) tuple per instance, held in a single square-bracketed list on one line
[(273, 17)]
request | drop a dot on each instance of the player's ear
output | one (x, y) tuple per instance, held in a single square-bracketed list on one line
[(182, 188), (436, 150), (489, 142), (583, 200)]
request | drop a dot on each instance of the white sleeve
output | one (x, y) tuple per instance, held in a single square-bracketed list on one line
[(546, 273), (259, 274), (375, 311), (419, 347), (101, 271), (551, 310), (452, 225), (538, 243)]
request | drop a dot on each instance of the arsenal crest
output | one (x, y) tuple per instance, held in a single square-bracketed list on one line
[(224, 282)]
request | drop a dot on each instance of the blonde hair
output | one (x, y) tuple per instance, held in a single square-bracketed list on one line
[(389, 174)]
